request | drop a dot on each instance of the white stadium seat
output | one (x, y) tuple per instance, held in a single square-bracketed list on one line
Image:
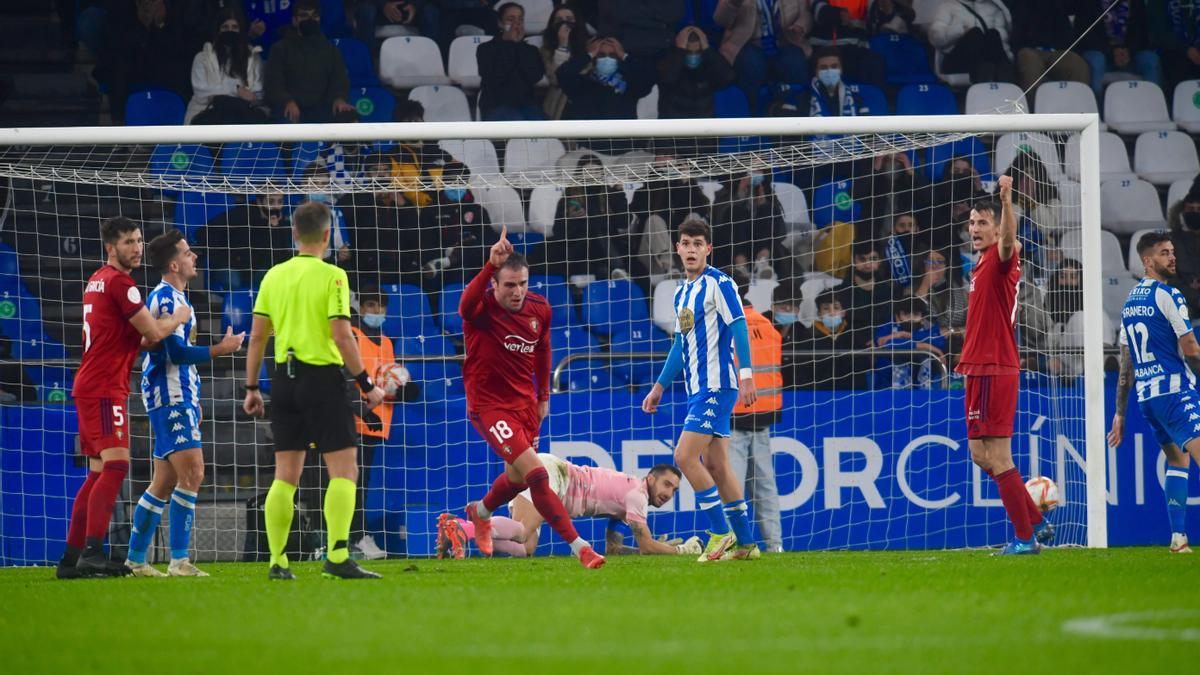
[(1117, 284), (795, 206), (462, 67), (543, 204), (1114, 158), (1008, 145), (1185, 106), (503, 205), (1163, 157), (663, 309), (1135, 107), (761, 293), (391, 30), (1127, 206), (442, 103), (1068, 204), (1065, 97), (647, 106), (710, 188), (531, 154), (992, 97), (537, 14), (412, 61), (813, 286), (1110, 249), (1178, 191), (478, 154)]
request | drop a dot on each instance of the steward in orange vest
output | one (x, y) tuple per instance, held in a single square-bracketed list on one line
[(766, 352)]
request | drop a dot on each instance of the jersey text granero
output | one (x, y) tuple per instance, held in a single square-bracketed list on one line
[(990, 345), (110, 342)]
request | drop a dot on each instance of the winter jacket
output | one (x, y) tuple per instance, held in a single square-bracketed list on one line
[(953, 19), (687, 93), (508, 73), (1136, 35), (208, 80), (589, 98), (307, 70)]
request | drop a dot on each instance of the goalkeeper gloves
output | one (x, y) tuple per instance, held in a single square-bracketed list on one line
[(689, 547)]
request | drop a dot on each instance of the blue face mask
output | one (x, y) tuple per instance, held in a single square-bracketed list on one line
[(830, 77), (373, 320), (692, 60), (785, 318), (757, 179), (831, 321), (455, 194), (606, 66), (318, 197)]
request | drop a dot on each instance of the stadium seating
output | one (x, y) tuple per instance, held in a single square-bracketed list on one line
[(248, 161), (971, 147), (995, 97), (408, 313), (155, 107), (478, 154), (531, 154), (451, 321), (238, 312), (194, 210), (640, 336), (442, 103), (1163, 157), (180, 160), (609, 306), (1117, 284), (1065, 97), (794, 204), (358, 62), (373, 104), (424, 345), (813, 285), (543, 204), (463, 68), (761, 294), (1069, 194), (556, 292), (663, 310), (1111, 258), (647, 106), (1178, 191), (10, 270), (407, 62), (951, 79), (1136, 106), (333, 18), (1010, 145), (53, 382), (872, 97), (728, 144), (1185, 106), (503, 206), (1127, 206), (907, 62), (926, 99), (834, 201), (731, 102), (537, 14), (1114, 159)]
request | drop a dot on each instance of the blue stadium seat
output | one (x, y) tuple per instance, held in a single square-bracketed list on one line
[(872, 97), (970, 147), (53, 383), (926, 99), (21, 321), (452, 322), (834, 201), (556, 292), (194, 210), (173, 162), (155, 107), (424, 345), (731, 144), (566, 340), (438, 380), (246, 161), (587, 376), (609, 306), (373, 103), (239, 311), (907, 61), (408, 312), (333, 18), (524, 242), (642, 336), (10, 271), (358, 62), (731, 102)]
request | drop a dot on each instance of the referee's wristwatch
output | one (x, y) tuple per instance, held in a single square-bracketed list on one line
[(250, 387), (364, 382)]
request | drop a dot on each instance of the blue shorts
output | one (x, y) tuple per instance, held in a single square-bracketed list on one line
[(1175, 418), (175, 427), (709, 412)]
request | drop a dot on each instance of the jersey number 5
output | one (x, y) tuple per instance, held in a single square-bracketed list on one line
[(87, 329), (501, 431), (1139, 341)]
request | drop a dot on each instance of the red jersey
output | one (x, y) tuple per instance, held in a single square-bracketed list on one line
[(990, 345), (110, 342), (504, 349)]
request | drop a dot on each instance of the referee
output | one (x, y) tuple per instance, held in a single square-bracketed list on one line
[(306, 303)]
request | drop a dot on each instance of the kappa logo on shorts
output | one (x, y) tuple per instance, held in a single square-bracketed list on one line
[(177, 427), (709, 413), (1189, 406), (181, 439), (174, 415), (706, 425), (1193, 417), (712, 400)]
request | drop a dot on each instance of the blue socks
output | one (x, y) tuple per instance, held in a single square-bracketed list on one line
[(735, 511), (710, 504), (1176, 489), (183, 512), (145, 522)]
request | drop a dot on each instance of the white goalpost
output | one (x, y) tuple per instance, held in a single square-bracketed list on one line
[(870, 447)]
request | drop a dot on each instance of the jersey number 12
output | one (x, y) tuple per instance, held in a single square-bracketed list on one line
[(1139, 341)]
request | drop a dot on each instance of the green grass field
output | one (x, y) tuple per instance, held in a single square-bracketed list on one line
[(946, 612)]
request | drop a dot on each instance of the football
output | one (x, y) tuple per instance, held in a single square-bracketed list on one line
[(391, 378), (1044, 492)]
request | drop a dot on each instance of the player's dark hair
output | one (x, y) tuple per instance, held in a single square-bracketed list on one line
[(309, 221), (162, 249), (742, 280), (694, 227), (515, 262), (987, 206), (828, 297), (112, 228), (1150, 240), (659, 469)]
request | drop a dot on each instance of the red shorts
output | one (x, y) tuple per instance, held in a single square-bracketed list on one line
[(991, 405), (103, 424), (509, 432)]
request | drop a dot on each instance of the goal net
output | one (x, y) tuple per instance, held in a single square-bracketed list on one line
[(848, 234)]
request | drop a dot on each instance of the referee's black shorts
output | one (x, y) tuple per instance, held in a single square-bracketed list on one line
[(312, 410)]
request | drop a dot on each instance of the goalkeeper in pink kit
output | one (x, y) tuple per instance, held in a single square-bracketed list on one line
[(507, 334)]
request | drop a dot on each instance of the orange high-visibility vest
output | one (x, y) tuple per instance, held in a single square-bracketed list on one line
[(766, 351), (373, 356)]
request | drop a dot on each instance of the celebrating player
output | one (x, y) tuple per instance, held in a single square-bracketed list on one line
[(586, 492), (710, 328), (171, 394), (507, 334), (1157, 348), (115, 320), (989, 362)]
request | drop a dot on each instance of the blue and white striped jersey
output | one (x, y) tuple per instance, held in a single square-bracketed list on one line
[(705, 308), (1153, 319), (163, 382)]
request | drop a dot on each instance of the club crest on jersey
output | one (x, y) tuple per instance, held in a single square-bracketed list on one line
[(533, 323), (687, 320)]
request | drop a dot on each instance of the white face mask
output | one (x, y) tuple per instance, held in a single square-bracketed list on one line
[(373, 320)]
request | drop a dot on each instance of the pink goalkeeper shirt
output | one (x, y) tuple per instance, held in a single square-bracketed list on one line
[(593, 491)]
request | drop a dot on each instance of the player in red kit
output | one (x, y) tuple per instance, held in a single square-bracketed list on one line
[(115, 321), (991, 366), (507, 332)]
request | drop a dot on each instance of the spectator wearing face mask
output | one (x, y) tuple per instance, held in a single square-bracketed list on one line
[(604, 83), (826, 94), (306, 78), (1183, 219), (689, 75), (748, 227), (227, 78), (509, 68), (844, 24), (454, 232), (867, 294), (831, 332), (909, 329), (241, 244), (565, 37), (317, 178)]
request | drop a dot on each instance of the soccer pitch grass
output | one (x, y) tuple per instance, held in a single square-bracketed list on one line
[(920, 611)]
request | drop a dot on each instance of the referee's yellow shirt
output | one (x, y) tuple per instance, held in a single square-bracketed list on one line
[(300, 296)]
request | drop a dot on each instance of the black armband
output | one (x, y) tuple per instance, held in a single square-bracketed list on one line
[(250, 387), (364, 381)]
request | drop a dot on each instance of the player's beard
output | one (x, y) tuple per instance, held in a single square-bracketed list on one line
[(128, 262)]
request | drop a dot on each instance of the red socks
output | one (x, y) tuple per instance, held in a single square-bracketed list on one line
[(549, 505), (103, 496), (503, 491), (1017, 502), (79, 520), (1035, 514)]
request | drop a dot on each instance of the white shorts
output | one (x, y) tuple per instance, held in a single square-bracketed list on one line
[(559, 477)]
